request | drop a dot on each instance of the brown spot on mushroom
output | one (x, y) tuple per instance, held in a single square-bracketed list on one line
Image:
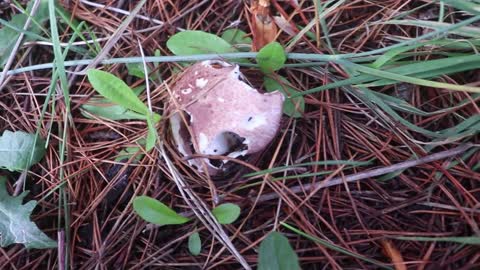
[(228, 117)]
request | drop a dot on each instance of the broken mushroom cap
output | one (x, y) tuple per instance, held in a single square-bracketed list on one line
[(226, 115)]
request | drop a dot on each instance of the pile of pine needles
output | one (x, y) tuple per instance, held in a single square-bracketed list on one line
[(420, 216)]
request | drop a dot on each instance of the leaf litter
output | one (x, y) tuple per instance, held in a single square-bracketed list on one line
[(435, 201)]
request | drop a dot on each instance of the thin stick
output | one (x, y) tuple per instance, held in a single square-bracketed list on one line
[(315, 187)]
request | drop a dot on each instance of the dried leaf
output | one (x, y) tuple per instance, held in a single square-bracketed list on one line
[(285, 26), (395, 256), (264, 29)]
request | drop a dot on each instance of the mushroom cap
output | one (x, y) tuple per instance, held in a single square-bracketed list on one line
[(227, 116)]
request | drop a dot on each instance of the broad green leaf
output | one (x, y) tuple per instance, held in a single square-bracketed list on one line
[(275, 253), (115, 90), (16, 149), (271, 57), (236, 36), (198, 42), (290, 106), (238, 39), (226, 213), (103, 108), (15, 224), (467, 240), (9, 36), (194, 244), (156, 212)]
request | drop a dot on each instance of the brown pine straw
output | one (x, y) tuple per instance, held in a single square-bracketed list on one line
[(370, 173), (435, 195)]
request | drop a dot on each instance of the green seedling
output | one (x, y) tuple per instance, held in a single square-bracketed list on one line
[(156, 212), (118, 92)]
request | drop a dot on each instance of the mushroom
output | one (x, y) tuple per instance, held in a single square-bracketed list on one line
[(224, 115)]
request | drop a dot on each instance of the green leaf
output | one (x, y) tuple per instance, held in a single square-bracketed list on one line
[(128, 152), (136, 70), (290, 106), (275, 253), (271, 57), (151, 135), (15, 224), (226, 213), (116, 90), (236, 36), (197, 42), (16, 149), (194, 244), (157, 53), (155, 212), (238, 39), (9, 35), (105, 109)]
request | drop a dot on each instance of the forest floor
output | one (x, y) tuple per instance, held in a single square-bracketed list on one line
[(388, 82)]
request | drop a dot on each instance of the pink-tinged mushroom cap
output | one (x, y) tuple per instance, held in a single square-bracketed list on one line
[(227, 116)]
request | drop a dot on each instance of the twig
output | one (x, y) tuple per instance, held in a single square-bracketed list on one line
[(315, 187)]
